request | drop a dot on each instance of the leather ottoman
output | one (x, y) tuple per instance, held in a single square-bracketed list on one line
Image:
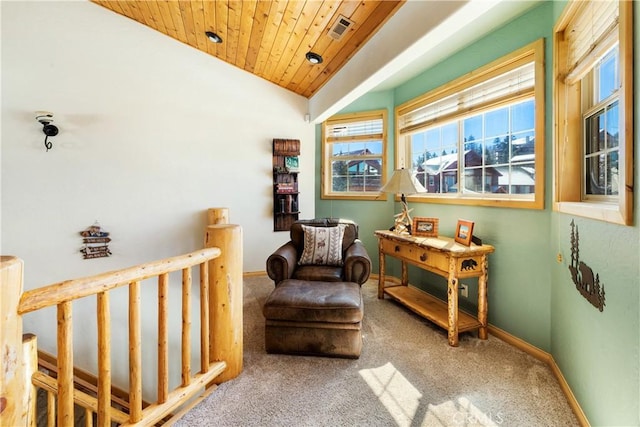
[(314, 318)]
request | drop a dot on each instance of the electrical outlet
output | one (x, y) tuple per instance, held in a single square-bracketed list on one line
[(464, 290)]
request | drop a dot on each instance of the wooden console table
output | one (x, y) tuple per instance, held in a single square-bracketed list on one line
[(447, 258)]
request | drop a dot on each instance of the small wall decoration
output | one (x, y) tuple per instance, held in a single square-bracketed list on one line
[(426, 227), (292, 163), (464, 232), (96, 242), (582, 275)]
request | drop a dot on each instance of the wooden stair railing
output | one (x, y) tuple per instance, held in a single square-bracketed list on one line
[(220, 337), (83, 381)]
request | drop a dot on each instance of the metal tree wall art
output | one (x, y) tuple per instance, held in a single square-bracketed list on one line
[(582, 275)]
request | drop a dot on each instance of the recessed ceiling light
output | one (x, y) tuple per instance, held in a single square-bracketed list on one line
[(213, 37), (314, 58)]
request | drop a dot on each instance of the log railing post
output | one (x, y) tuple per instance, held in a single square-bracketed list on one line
[(186, 327), (163, 337), (135, 354), (104, 359), (217, 216), (12, 380), (29, 366), (204, 317), (225, 293), (65, 364)]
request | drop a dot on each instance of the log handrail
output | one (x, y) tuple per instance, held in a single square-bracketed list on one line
[(69, 290), (220, 312), (62, 294)]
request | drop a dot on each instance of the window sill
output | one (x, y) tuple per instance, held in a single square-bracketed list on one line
[(355, 196), (517, 203), (608, 212)]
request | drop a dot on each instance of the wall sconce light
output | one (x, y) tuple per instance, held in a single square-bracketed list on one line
[(45, 118)]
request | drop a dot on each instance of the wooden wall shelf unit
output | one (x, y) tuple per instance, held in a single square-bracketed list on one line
[(446, 258), (286, 206)]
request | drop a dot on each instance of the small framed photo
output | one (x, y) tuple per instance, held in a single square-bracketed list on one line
[(426, 227), (292, 163), (464, 232)]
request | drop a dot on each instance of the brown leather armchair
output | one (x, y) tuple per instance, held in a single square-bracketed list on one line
[(283, 263)]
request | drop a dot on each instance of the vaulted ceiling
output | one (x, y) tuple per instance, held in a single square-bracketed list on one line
[(269, 38)]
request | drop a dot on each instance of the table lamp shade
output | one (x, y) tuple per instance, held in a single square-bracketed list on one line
[(403, 182)]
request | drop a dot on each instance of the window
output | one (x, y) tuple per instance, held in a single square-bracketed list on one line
[(353, 155), (480, 138), (593, 165)]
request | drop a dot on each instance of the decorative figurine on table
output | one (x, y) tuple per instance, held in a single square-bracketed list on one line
[(403, 221), (403, 182)]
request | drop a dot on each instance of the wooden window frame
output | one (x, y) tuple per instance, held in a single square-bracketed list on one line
[(533, 52), (568, 136), (326, 181)]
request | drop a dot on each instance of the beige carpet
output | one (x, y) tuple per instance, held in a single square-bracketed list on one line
[(407, 375)]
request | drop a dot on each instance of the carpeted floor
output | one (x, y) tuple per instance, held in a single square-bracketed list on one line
[(407, 375)]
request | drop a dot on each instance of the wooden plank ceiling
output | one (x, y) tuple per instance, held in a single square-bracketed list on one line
[(267, 38)]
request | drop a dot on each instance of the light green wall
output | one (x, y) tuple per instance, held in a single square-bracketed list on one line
[(531, 295), (598, 353), (370, 215), (519, 268)]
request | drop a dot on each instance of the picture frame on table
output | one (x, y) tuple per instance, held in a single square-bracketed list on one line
[(425, 227), (464, 232)]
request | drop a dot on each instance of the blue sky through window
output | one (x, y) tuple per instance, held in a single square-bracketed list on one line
[(608, 80), (515, 120)]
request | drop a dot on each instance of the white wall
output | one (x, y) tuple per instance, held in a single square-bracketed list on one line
[(152, 133)]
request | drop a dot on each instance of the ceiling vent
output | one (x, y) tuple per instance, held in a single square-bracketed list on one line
[(340, 28)]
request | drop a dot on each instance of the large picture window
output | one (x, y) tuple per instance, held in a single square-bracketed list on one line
[(353, 155), (594, 115), (480, 139)]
